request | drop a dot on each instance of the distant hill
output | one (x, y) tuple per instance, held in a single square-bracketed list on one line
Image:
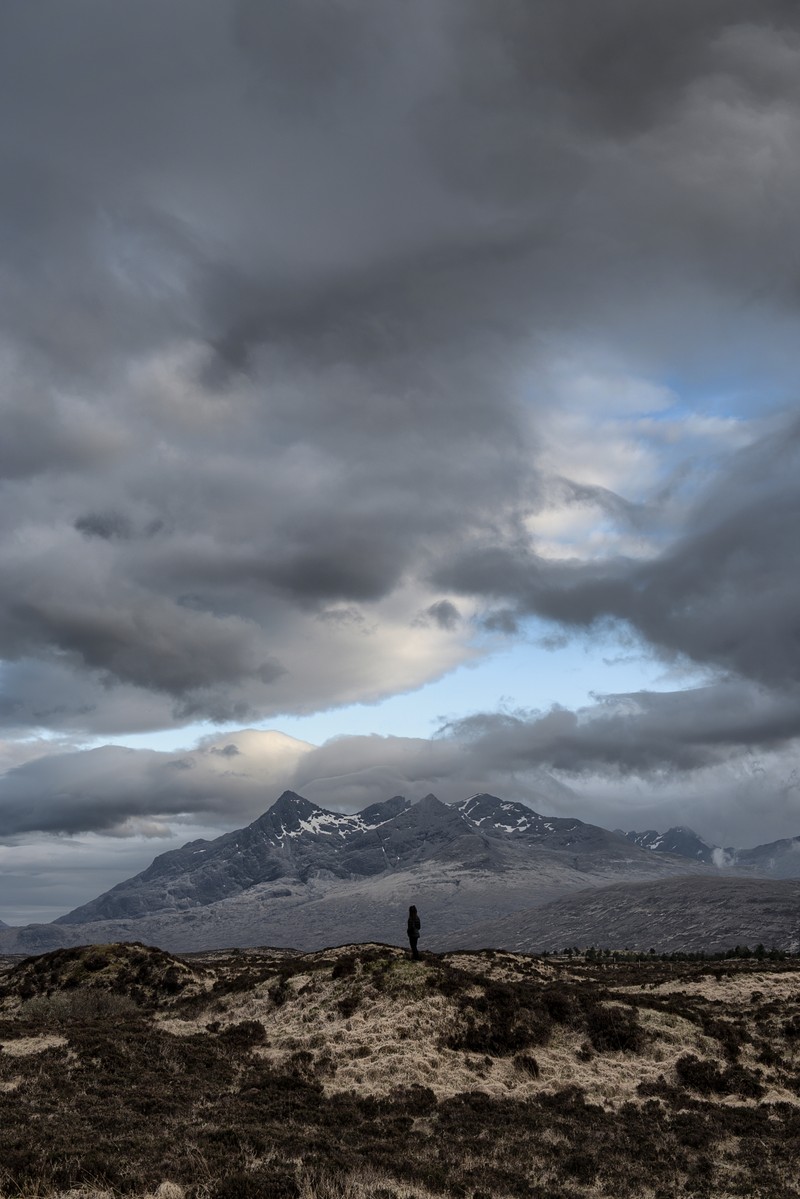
[(775, 859), (302, 877), (778, 859), (708, 912), (294, 839)]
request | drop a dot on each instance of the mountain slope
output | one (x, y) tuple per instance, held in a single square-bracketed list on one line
[(565, 834), (778, 859), (707, 912), (293, 839), (775, 859)]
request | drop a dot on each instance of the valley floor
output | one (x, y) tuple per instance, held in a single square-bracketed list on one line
[(356, 1072)]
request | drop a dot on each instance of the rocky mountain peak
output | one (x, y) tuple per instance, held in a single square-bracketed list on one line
[(679, 839), (296, 843), (290, 813), (379, 813), (431, 813), (289, 803), (431, 804), (485, 809)]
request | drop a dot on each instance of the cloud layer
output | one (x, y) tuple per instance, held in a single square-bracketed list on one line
[(285, 302), (627, 758), (340, 342)]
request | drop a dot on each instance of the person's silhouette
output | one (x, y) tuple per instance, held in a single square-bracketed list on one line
[(413, 930)]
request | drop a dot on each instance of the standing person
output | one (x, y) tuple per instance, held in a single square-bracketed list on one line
[(413, 930)]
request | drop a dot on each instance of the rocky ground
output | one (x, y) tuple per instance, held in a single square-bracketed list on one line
[(357, 1072)]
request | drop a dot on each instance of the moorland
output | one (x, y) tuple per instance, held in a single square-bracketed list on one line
[(355, 1072)]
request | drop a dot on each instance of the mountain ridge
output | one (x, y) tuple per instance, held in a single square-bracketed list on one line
[(296, 839), (302, 876), (299, 875)]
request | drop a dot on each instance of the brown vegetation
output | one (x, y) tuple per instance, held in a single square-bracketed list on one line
[(356, 1072)]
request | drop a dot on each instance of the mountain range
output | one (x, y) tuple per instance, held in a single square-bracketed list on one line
[(303, 877), (775, 859), (678, 840)]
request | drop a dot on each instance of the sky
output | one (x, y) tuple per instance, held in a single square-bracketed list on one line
[(396, 397)]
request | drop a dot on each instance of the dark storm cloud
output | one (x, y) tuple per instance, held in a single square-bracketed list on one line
[(638, 734), (278, 280), (121, 791), (621, 72), (107, 525), (445, 614), (723, 594), (719, 757)]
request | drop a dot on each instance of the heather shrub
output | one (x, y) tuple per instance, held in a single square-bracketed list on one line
[(707, 1078), (244, 1034), (527, 1064), (614, 1029), (503, 1020), (79, 1004)]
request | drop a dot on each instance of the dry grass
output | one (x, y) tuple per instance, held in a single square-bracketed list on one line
[(24, 1046), (729, 986), (356, 1072), (360, 1184)]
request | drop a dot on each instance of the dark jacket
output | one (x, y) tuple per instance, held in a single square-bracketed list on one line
[(413, 927)]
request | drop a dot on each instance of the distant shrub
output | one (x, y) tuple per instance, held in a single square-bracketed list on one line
[(730, 1034), (79, 1004), (241, 1185), (741, 1081), (699, 1074), (580, 1166), (301, 1064), (448, 982), (280, 992), (559, 1004), (769, 1056), (173, 981), (417, 1099), (95, 961), (345, 966), (349, 1004), (349, 963), (502, 1021)]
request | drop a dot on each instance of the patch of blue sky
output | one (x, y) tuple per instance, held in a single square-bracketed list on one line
[(525, 675), (740, 389)]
